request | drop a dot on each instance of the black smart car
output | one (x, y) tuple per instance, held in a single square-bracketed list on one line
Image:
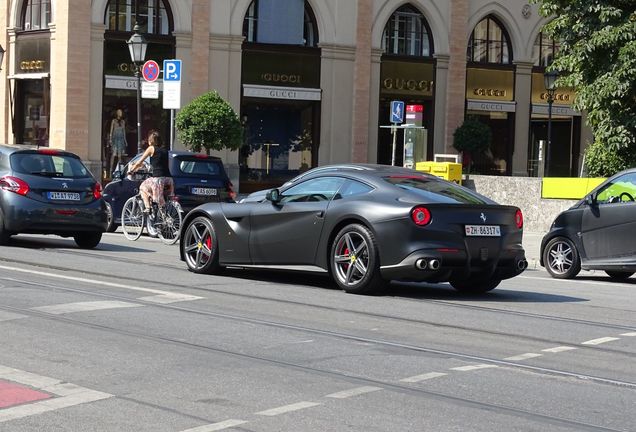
[(49, 191), (596, 233), (198, 178)]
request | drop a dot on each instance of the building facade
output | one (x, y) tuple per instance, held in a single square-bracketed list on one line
[(312, 80)]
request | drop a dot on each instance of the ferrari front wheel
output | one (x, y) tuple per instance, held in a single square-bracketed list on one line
[(355, 262), (199, 246)]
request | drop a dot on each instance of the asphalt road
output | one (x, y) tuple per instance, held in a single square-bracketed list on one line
[(123, 338)]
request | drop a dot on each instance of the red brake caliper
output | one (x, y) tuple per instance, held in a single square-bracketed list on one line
[(346, 252)]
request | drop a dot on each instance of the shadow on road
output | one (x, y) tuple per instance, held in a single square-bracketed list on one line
[(55, 242)]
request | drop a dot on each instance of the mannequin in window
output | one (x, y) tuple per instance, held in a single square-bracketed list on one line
[(117, 139)]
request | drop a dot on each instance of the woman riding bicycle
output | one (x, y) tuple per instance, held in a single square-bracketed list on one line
[(161, 182)]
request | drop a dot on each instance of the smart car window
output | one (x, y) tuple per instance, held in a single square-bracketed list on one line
[(621, 189), (436, 190), (48, 165), (318, 189), (200, 167)]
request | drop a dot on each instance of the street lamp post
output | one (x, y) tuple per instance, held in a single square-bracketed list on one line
[(137, 46), (549, 79)]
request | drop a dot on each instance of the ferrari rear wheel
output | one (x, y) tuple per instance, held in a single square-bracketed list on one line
[(619, 275), (355, 262), (561, 259), (475, 286), (199, 246)]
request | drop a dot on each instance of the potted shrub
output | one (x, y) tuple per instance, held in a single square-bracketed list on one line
[(472, 138)]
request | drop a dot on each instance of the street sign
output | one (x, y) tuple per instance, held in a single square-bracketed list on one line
[(150, 90), (397, 112), (150, 71), (172, 84)]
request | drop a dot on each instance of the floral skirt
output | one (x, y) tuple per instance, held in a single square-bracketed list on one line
[(158, 188)]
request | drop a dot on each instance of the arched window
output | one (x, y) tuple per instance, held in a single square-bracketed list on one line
[(153, 16), (36, 15), (281, 26), (544, 50), (407, 33), (489, 43)]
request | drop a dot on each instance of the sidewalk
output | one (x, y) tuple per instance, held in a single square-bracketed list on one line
[(532, 246)]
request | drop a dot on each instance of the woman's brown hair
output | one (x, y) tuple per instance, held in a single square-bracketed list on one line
[(155, 137)]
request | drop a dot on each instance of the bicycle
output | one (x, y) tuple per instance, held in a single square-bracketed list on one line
[(166, 220)]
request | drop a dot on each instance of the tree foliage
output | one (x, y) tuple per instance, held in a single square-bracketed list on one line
[(600, 161), (472, 136), (210, 123), (597, 58)]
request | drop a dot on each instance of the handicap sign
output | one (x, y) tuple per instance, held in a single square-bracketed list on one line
[(150, 71), (397, 112), (172, 70)]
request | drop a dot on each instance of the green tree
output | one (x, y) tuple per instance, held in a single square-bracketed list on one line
[(210, 123), (472, 138), (597, 58)]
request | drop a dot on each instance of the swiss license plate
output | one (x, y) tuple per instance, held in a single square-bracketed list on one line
[(64, 196), (203, 191), (483, 230)]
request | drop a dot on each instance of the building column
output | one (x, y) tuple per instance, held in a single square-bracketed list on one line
[(337, 104), (456, 87), (362, 82), (374, 104), (200, 47), (523, 99), (440, 90), (70, 77), (5, 102), (96, 107)]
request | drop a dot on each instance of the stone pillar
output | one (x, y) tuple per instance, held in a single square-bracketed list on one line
[(5, 107), (337, 104), (456, 88), (523, 98), (96, 106), (440, 90), (70, 77), (362, 82), (200, 62), (374, 104)]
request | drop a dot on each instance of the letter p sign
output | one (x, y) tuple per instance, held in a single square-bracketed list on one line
[(172, 70)]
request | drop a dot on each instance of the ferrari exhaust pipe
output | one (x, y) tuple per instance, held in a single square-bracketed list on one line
[(434, 264), (421, 264), (522, 264)]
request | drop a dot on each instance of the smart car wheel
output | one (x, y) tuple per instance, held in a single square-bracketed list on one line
[(561, 259), (112, 226), (88, 240), (618, 275), (355, 263), (475, 286), (199, 246)]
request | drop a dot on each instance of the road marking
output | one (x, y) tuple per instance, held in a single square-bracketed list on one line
[(12, 394), (474, 367), (577, 281), (103, 283), (216, 426), (630, 334), (169, 298), (599, 341), (8, 316), (525, 356), (423, 377), (559, 349), (353, 392), (68, 394), (65, 308), (287, 408)]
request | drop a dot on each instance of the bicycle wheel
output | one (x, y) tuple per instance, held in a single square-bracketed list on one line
[(169, 223), (133, 218)]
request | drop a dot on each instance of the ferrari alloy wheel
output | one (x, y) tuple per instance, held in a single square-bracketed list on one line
[(561, 259), (475, 286), (355, 263), (619, 275), (199, 246)]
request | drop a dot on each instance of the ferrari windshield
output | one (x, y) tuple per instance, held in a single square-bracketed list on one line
[(436, 190)]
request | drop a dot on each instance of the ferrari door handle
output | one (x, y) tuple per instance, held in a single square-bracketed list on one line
[(320, 214)]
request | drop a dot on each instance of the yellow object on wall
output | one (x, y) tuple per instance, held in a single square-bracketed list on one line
[(568, 187), (447, 170)]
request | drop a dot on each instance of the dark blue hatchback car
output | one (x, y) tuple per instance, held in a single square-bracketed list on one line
[(198, 178)]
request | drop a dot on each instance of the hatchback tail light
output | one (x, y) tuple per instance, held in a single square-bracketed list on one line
[(97, 190), (519, 219), (230, 190), (14, 184), (421, 216)]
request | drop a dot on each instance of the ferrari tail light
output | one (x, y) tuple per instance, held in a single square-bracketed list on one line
[(519, 219), (421, 216), (14, 184), (97, 190), (230, 190)]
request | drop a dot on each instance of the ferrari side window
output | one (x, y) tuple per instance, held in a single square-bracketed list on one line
[(317, 189), (351, 188)]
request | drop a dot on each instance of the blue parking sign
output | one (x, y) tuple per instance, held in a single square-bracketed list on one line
[(397, 112), (172, 70)]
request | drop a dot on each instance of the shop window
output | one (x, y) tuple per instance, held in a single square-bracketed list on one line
[(544, 50), (153, 16), (489, 43), (407, 33), (290, 22), (36, 15)]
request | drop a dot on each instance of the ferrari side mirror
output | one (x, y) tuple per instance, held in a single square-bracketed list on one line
[(273, 196)]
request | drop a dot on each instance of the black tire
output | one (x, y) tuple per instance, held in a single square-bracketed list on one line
[(200, 245), (475, 286), (133, 218), (357, 273), (561, 259), (88, 240), (4, 235), (171, 220), (619, 275), (112, 226)]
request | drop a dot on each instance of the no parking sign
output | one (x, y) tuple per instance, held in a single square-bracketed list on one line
[(150, 71)]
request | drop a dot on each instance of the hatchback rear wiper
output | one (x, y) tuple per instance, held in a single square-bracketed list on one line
[(46, 173)]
